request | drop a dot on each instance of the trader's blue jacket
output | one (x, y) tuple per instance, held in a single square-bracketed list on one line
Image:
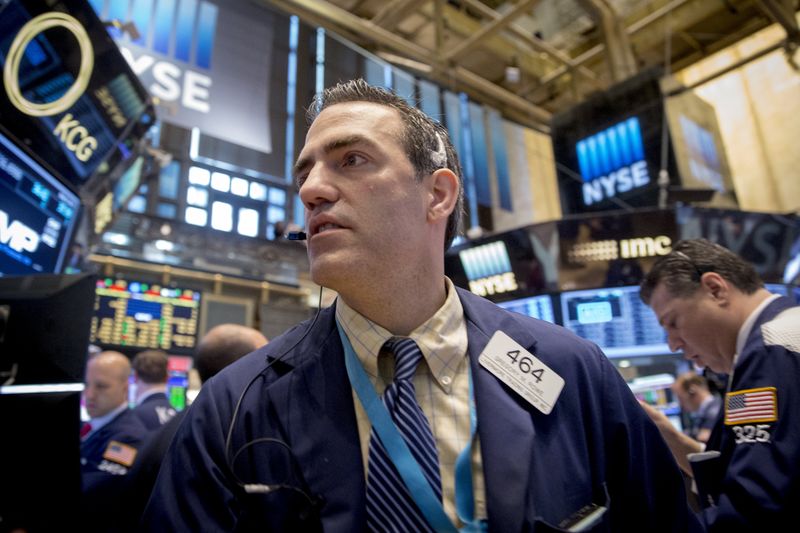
[(295, 431)]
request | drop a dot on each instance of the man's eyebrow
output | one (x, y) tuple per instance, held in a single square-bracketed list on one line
[(335, 144)]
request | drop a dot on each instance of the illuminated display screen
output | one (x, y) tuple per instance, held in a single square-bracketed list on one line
[(777, 288), (38, 215), (540, 307), (138, 315), (615, 319), (73, 131)]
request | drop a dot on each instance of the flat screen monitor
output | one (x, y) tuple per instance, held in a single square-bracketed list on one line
[(38, 215), (777, 288), (616, 319), (656, 391), (133, 315), (70, 95), (540, 307), (44, 328), (44, 336)]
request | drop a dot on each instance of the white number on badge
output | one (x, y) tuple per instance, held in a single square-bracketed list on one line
[(751, 433)]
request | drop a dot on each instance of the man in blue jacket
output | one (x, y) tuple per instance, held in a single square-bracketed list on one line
[(110, 440), (150, 376), (530, 427), (716, 310)]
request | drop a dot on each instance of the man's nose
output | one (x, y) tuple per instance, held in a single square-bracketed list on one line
[(318, 187), (675, 342)]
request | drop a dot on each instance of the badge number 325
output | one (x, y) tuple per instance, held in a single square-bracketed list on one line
[(522, 371)]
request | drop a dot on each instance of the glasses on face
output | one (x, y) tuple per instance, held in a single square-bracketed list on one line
[(694, 265)]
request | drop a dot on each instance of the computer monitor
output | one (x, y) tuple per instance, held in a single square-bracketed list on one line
[(38, 215), (134, 315), (777, 288), (44, 336), (616, 319), (540, 307), (45, 328)]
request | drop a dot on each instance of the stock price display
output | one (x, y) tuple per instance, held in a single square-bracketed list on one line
[(139, 315)]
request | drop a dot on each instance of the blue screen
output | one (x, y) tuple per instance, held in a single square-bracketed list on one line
[(540, 307), (38, 215), (615, 319)]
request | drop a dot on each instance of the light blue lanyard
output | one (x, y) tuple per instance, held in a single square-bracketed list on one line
[(406, 465)]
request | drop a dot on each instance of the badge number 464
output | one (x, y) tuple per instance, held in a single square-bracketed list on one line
[(522, 371)]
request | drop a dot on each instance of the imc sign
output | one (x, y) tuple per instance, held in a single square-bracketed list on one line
[(612, 162), (208, 64)]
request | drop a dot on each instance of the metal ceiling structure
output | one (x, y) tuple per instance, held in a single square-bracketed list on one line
[(533, 58)]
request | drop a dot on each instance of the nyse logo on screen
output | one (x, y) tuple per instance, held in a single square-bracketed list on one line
[(173, 49), (612, 161), (488, 269)]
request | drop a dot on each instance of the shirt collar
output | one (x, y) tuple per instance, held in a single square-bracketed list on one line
[(747, 326), (101, 421), (151, 392), (442, 338)]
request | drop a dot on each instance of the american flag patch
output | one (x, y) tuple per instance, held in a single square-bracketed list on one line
[(120, 453), (751, 405)]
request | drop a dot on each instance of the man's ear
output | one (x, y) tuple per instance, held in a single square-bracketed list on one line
[(443, 194), (716, 286)]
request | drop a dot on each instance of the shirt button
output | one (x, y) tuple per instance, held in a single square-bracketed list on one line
[(446, 380)]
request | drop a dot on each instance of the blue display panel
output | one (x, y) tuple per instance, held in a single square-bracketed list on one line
[(616, 319), (130, 314), (38, 215), (540, 307), (777, 288)]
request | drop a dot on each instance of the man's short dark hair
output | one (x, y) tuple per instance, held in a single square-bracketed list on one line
[(151, 366), (421, 136), (681, 269)]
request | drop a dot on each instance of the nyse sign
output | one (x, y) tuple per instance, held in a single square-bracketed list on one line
[(612, 161), (496, 284), (170, 83)]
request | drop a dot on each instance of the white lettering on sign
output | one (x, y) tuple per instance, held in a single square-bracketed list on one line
[(17, 235), (621, 180), (645, 247), (171, 83), (494, 284)]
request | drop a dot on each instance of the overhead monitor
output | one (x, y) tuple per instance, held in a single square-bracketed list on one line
[(540, 307), (615, 319), (133, 315), (777, 288), (38, 215), (67, 92)]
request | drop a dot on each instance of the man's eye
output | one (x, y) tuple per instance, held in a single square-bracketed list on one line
[(353, 159)]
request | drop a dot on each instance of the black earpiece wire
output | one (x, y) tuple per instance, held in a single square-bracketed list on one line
[(231, 458)]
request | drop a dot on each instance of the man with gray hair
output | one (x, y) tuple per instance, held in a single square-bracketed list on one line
[(716, 310), (410, 404)]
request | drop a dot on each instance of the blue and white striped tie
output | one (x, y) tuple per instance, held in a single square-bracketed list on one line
[(390, 507)]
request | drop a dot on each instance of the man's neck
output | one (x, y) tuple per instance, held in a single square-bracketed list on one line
[(143, 390), (401, 308)]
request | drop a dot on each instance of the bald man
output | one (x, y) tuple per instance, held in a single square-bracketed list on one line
[(109, 446), (224, 344)]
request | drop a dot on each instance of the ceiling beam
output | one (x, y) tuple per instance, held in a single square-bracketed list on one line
[(395, 12), (536, 44), (489, 29), (336, 19)]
